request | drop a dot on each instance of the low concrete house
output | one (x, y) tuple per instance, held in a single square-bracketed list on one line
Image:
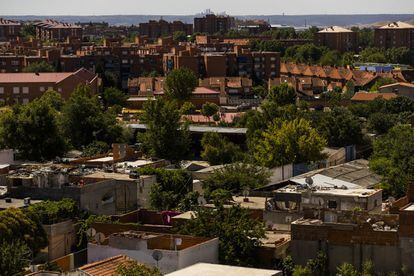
[(165, 251)]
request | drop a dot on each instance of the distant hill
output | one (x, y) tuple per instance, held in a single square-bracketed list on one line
[(290, 20)]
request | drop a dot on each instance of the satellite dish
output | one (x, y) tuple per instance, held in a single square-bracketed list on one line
[(201, 201), (309, 181), (99, 238), (157, 255), (91, 232)]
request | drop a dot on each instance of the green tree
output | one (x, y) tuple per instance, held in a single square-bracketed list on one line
[(33, 130), (381, 82), (286, 142), (260, 91), (218, 150), (14, 257), (22, 225), (301, 271), (236, 177), (331, 58), (288, 266), (187, 108), (114, 96), (84, 120), (340, 127), (209, 109), (39, 67), (133, 268), (165, 137), (179, 36), (381, 123), (393, 158), (171, 188), (28, 31), (282, 94), (180, 83), (367, 268), (346, 269), (95, 148), (239, 234)]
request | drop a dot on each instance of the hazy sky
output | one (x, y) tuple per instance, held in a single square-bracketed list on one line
[(189, 7)]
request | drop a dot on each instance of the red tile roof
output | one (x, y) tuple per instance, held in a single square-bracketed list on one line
[(82, 73), (7, 22), (366, 96), (105, 267), (406, 84)]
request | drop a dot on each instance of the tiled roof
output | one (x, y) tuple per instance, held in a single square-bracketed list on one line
[(406, 84), (366, 96), (105, 267), (335, 29), (82, 73), (397, 25), (204, 90), (53, 24), (7, 22)]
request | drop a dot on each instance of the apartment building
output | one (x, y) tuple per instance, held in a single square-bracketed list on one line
[(155, 29), (9, 29), (242, 62), (394, 34), (211, 24), (338, 38), (54, 30), (25, 87)]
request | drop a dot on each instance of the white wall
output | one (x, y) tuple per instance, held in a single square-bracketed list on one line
[(6, 156)]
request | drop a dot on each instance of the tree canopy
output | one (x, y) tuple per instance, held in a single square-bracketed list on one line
[(39, 67), (282, 94), (218, 150), (84, 120), (237, 177), (180, 83), (393, 158), (165, 136), (33, 129), (171, 188), (286, 142), (339, 127), (113, 96), (239, 234)]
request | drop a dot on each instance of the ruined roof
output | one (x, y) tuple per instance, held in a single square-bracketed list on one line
[(356, 172), (106, 267)]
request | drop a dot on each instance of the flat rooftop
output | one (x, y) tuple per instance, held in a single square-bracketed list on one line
[(356, 172), (202, 129), (108, 175), (204, 269), (15, 203)]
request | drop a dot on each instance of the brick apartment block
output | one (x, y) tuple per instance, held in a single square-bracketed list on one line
[(337, 38), (243, 63), (211, 24), (9, 29), (54, 30), (396, 34), (25, 87), (156, 29)]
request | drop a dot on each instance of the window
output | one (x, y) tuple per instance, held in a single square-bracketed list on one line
[(16, 90), (42, 89), (14, 62), (25, 101), (332, 204), (124, 61), (50, 88), (26, 90), (60, 90), (1, 90)]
